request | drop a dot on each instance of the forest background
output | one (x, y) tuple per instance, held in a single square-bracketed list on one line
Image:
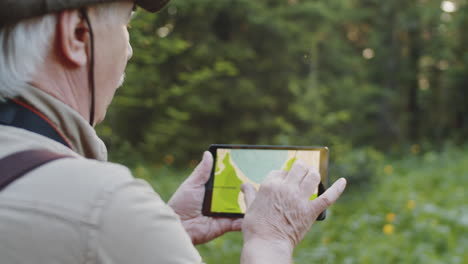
[(383, 84)]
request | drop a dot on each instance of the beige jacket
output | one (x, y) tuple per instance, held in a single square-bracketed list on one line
[(80, 210)]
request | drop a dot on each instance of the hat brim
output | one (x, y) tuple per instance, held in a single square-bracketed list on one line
[(12, 11), (152, 5)]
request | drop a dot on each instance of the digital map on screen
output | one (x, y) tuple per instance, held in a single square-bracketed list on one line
[(234, 167)]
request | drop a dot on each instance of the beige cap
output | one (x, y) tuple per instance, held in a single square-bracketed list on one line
[(12, 11)]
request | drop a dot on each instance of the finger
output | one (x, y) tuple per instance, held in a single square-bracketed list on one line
[(310, 182), (220, 226), (283, 174), (202, 172), (274, 175), (249, 193), (237, 224), (327, 198), (298, 171)]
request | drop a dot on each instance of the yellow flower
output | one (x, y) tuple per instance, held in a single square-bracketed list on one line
[(390, 217), (388, 229), (388, 169), (326, 240), (169, 159), (411, 204), (415, 149)]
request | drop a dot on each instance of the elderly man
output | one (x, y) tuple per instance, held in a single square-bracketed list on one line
[(60, 64)]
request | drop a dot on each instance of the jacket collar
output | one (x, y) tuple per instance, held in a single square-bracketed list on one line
[(77, 131)]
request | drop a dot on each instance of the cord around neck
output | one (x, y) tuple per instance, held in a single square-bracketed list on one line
[(91, 67)]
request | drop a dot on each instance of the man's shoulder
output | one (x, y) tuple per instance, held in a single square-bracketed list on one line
[(73, 185), (14, 140), (68, 187), (99, 172)]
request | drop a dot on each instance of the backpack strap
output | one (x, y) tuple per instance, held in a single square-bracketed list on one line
[(18, 114), (18, 164)]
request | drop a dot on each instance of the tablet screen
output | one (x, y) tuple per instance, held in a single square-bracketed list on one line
[(235, 166)]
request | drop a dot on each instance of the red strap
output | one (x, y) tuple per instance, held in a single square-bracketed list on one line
[(18, 164), (45, 119)]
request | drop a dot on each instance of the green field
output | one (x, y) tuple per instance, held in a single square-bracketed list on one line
[(414, 211)]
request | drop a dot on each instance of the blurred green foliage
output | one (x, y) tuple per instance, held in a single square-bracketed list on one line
[(336, 73), (415, 213)]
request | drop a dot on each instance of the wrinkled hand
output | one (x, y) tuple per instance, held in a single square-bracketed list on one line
[(282, 211), (187, 203)]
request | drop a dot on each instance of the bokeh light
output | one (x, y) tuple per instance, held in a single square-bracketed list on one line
[(448, 6)]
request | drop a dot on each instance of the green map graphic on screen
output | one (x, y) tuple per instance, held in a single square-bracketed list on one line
[(237, 166)]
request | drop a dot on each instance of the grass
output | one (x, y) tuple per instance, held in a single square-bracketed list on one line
[(415, 211)]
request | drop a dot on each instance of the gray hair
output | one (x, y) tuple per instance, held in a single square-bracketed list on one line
[(23, 48)]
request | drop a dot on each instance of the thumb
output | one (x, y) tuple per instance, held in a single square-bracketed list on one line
[(249, 194), (328, 198), (202, 172)]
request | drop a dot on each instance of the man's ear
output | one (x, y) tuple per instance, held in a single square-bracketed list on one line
[(73, 37)]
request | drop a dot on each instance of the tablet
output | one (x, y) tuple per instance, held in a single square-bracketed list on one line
[(237, 164)]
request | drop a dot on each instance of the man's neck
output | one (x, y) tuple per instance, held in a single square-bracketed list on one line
[(66, 86)]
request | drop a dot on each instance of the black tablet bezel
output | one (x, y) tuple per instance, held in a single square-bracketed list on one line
[(324, 157)]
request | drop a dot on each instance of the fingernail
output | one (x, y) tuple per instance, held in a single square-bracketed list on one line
[(205, 155), (243, 186), (342, 184)]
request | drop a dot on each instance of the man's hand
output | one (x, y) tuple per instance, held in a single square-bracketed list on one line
[(282, 213), (187, 203)]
